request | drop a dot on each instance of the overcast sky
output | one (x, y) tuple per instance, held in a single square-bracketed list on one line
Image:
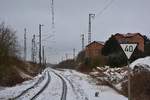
[(71, 19)]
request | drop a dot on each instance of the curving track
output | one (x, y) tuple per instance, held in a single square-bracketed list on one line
[(39, 88), (64, 92), (33, 87), (44, 87)]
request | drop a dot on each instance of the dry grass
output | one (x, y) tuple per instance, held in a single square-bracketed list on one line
[(140, 88), (9, 75)]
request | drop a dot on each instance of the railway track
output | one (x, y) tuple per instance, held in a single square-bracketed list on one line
[(44, 87), (25, 92), (64, 92)]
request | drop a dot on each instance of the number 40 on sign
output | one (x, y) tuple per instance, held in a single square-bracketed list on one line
[(128, 49)]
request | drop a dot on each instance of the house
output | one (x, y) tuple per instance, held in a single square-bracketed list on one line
[(94, 49), (131, 38)]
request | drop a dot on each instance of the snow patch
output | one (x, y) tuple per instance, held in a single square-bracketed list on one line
[(144, 62)]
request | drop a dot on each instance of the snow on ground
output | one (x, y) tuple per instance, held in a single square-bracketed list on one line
[(111, 74), (54, 89), (10, 92), (114, 76), (37, 88), (71, 94), (85, 87), (79, 87), (145, 62)]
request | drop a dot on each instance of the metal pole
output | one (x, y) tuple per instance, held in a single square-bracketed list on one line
[(52, 8), (74, 53), (66, 56), (89, 30), (129, 83), (62, 59), (82, 41), (34, 49), (25, 44), (40, 45), (43, 55)]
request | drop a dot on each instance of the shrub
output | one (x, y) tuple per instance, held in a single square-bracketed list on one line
[(111, 46), (117, 59), (94, 62), (81, 56), (147, 49)]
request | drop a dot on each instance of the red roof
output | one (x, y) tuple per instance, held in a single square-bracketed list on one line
[(128, 34)]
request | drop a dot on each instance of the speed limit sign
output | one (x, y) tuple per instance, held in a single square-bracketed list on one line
[(128, 49)]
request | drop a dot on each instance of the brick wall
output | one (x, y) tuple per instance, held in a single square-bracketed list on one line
[(93, 49), (137, 38)]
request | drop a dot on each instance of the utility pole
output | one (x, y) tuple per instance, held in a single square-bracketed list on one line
[(62, 59), (74, 53), (89, 29), (33, 51), (40, 26), (34, 46), (82, 37), (66, 56), (43, 54), (25, 44), (52, 11)]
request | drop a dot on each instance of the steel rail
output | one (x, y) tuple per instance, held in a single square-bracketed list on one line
[(64, 92)]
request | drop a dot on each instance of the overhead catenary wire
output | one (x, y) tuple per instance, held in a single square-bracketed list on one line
[(105, 8), (91, 15), (52, 34)]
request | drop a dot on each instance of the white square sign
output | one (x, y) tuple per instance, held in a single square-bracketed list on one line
[(128, 49)]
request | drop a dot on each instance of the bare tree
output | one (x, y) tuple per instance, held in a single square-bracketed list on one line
[(8, 42)]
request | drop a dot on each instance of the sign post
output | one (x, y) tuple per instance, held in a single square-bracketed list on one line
[(128, 49)]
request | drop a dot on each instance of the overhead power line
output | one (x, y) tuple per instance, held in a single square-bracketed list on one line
[(105, 8), (50, 36)]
